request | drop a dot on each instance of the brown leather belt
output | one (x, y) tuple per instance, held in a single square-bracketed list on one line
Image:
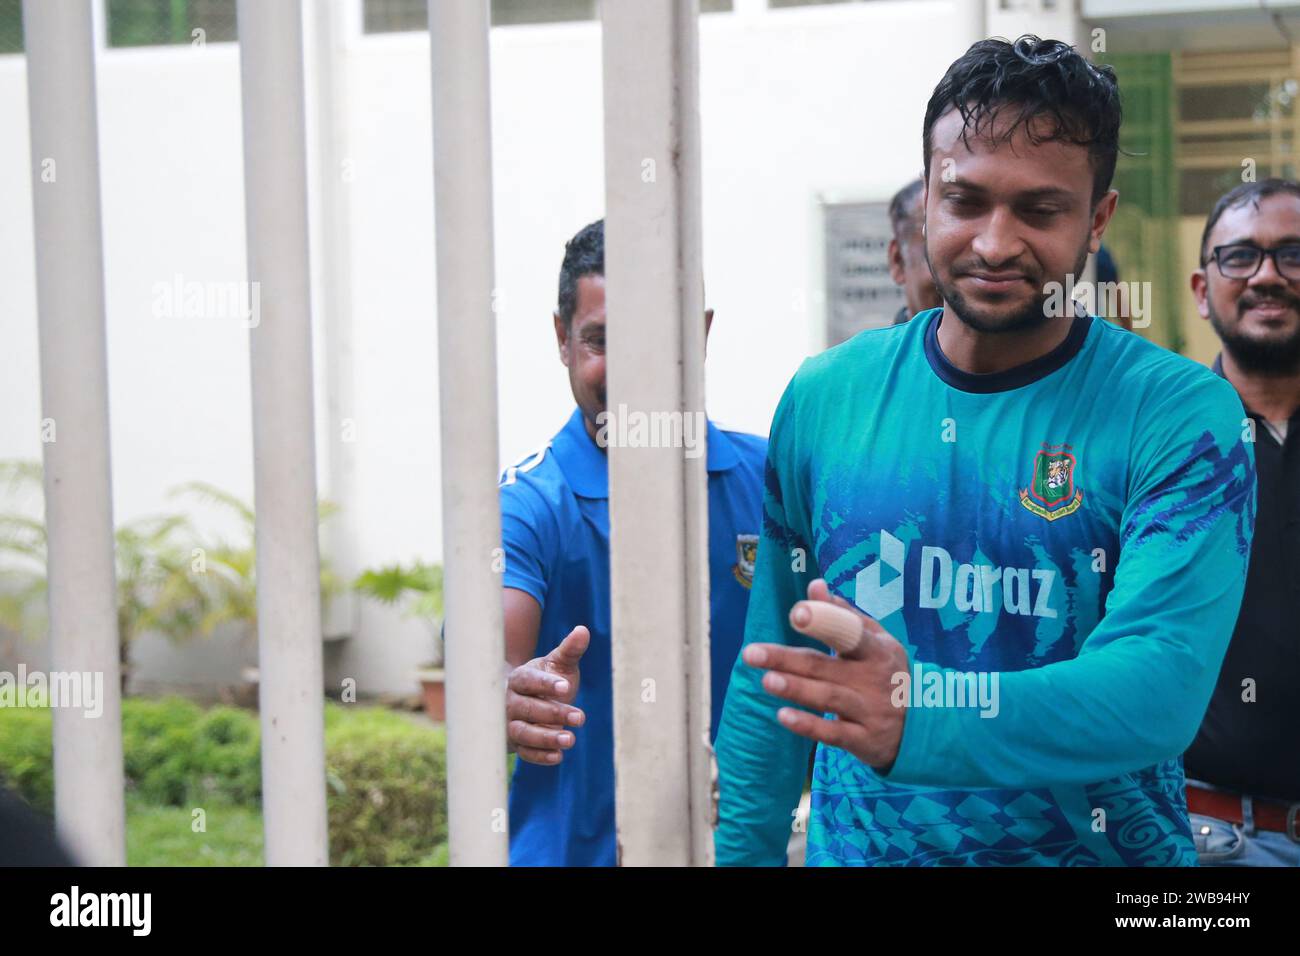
[(1268, 814)]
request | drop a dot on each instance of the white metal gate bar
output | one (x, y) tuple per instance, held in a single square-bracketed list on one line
[(467, 390), (284, 451), (88, 776), (658, 496)]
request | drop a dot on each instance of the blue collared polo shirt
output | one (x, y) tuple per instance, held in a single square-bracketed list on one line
[(555, 531)]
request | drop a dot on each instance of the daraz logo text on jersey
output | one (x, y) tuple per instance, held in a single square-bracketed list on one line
[(980, 588)]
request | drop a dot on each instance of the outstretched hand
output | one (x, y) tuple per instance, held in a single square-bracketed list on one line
[(539, 701), (856, 685)]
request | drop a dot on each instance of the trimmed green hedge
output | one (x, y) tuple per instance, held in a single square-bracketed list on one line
[(386, 775), (179, 755), (27, 755)]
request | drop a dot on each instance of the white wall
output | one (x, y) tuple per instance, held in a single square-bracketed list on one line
[(795, 104)]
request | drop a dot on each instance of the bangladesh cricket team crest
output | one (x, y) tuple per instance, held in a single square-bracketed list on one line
[(746, 557), (1051, 494)]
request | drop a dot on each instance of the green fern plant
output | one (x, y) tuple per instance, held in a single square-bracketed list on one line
[(231, 566), (419, 585), (169, 578), (155, 588)]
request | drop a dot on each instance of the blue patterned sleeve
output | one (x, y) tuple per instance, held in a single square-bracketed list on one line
[(761, 765)]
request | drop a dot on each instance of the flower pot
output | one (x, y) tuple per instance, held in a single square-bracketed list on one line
[(434, 690)]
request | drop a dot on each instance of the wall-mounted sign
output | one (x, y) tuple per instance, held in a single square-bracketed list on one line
[(859, 292)]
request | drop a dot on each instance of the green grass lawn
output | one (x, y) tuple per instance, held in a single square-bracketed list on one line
[(165, 836)]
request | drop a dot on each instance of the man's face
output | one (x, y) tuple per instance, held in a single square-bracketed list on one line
[(1004, 220), (582, 347), (1258, 318), (907, 263)]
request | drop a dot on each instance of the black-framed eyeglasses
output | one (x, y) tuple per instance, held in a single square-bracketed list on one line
[(1241, 260)]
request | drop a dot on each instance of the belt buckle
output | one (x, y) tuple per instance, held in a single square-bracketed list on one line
[(1293, 823)]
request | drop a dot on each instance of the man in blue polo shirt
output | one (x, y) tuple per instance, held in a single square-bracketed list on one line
[(555, 530)]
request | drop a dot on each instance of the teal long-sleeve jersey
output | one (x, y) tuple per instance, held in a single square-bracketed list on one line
[(1062, 551)]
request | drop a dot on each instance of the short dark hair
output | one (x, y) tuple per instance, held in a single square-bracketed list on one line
[(1039, 78), (900, 208), (1253, 193), (584, 255)]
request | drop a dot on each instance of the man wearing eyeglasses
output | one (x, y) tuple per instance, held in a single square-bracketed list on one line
[(1243, 769)]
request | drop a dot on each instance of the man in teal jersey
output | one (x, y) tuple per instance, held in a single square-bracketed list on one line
[(1041, 521)]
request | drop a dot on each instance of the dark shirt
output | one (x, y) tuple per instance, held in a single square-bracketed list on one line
[(1106, 268), (902, 315), (26, 839), (1254, 748)]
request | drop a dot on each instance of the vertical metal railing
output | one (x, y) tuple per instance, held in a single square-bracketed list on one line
[(475, 631), (659, 564), (658, 496), (89, 790), (284, 449)]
